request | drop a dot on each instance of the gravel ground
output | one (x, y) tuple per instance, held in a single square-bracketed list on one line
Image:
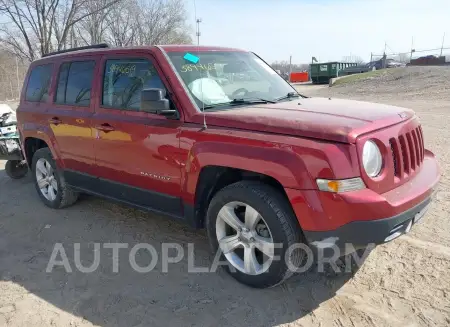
[(402, 283)]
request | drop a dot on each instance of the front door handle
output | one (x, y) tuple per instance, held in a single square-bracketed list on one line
[(55, 121), (105, 127)]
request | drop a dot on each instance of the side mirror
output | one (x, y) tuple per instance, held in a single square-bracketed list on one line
[(154, 101)]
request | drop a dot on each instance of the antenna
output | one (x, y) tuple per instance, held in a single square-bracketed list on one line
[(198, 21)]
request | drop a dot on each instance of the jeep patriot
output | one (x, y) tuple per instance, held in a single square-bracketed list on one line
[(215, 137)]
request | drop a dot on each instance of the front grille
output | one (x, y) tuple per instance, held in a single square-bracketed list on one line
[(407, 152)]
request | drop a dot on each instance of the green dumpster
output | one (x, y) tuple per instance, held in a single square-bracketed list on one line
[(322, 72)]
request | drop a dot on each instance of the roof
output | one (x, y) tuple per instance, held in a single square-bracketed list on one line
[(193, 48), (167, 48)]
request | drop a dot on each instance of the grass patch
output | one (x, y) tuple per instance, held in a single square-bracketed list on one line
[(358, 77)]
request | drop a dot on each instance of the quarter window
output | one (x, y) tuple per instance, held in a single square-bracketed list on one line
[(124, 80), (75, 83), (39, 83)]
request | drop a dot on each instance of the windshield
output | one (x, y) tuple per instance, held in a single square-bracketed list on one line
[(217, 78)]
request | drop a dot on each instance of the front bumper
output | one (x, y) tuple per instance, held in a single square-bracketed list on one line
[(360, 234), (363, 217)]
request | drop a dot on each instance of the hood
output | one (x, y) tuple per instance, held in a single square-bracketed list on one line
[(321, 118)]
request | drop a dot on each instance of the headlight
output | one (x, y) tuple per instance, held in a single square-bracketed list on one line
[(372, 159)]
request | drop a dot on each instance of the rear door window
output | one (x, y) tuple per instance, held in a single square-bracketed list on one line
[(39, 83), (124, 80), (75, 83)]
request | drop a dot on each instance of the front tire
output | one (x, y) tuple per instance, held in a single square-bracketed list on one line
[(253, 225), (49, 181)]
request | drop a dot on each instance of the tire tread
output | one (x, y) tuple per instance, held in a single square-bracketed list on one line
[(285, 215), (68, 196)]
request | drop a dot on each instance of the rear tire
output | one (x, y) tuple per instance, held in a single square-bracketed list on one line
[(16, 169), (271, 210), (49, 181)]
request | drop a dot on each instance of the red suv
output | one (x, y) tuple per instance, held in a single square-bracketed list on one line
[(215, 137)]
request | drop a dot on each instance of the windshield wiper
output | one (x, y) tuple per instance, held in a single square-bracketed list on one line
[(251, 100), (287, 96), (238, 102)]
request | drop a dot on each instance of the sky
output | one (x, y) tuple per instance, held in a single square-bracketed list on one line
[(326, 29)]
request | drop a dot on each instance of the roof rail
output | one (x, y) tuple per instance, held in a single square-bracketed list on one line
[(94, 46)]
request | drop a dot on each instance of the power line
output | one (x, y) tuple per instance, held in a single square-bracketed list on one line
[(389, 48), (418, 51)]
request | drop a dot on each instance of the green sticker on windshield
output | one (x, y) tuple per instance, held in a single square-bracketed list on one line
[(190, 57)]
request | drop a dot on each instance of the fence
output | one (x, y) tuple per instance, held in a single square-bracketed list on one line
[(438, 56)]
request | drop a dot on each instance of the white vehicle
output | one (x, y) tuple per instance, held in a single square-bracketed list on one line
[(8, 120)]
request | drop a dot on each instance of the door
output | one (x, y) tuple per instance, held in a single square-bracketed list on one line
[(70, 115), (135, 152)]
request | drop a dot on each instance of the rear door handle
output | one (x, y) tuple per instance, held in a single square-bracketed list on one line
[(55, 121), (105, 127)]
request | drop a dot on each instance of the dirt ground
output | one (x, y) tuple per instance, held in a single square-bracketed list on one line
[(402, 283)]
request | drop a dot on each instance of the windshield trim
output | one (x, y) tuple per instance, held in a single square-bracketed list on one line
[(293, 88)]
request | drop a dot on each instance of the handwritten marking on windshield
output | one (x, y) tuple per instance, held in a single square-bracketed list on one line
[(198, 67), (123, 69)]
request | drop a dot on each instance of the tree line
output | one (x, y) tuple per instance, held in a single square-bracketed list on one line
[(32, 28), (283, 66)]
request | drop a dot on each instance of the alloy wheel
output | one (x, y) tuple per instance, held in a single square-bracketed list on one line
[(46, 180), (244, 238)]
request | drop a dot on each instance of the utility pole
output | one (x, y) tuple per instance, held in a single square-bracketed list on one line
[(442, 46), (198, 21), (17, 76), (383, 62), (290, 66), (12, 90), (412, 48)]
